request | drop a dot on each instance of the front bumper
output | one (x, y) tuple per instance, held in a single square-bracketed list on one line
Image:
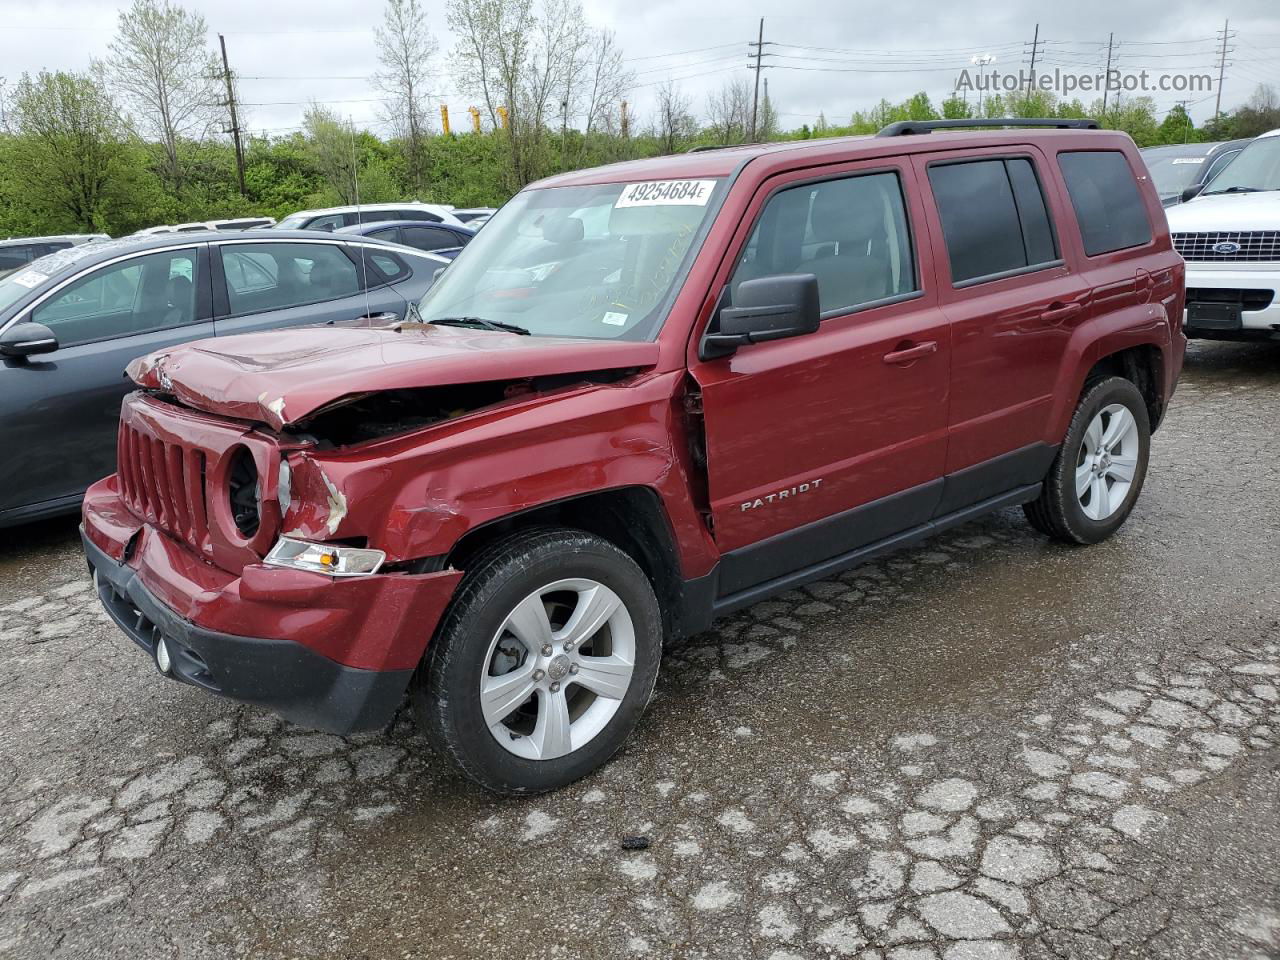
[(283, 676), (333, 655), (1254, 324)]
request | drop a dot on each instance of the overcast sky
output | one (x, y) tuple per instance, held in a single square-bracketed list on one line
[(831, 57)]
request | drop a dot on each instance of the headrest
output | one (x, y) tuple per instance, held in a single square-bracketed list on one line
[(563, 230), (848, 210), (655, 220)]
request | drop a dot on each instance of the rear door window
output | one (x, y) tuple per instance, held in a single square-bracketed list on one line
[(11, 258), (331, 221), (153, 292), (273, 276), (994, 217), (428, 238), (1106, 200), (851, 233)]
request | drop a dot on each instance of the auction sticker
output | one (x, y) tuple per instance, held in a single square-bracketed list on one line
[(1189, 160), (30, 279), (655, 193)]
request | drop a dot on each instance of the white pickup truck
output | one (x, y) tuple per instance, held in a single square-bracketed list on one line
[(1230, 237)]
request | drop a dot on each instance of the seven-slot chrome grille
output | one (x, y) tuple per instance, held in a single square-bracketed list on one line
[(164, 483)]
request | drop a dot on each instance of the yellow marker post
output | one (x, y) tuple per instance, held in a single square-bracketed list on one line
[(475, 118), (444, 119), (502, 116)]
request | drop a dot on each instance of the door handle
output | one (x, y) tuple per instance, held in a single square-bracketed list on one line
[(914, 352), (1058, 312)]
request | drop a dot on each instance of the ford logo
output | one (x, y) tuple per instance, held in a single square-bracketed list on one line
[(1226, 246)]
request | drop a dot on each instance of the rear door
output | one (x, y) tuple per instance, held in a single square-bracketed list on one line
[(1013, 301), (265, 285), (61, 409), (823, 443)]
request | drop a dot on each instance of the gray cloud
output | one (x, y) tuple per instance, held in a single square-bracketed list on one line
[(831, 58)]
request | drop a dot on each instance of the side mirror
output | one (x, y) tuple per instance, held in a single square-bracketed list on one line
[(27, 339), (769, 308), (1191, 192)]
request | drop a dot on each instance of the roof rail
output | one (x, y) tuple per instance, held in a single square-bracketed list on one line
[(907, 127), (714, 146)]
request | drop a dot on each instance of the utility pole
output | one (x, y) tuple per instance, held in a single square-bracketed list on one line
[(1186, 120), (564, 133), (1035, 48), (1106, 76), (755, 100), (235, 122), (1222, 69)]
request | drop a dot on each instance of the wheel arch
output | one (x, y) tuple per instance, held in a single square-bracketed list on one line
[(1141, 365), (632, 518)]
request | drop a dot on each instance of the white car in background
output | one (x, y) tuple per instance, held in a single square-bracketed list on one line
[(1230, 237), (331, 218)]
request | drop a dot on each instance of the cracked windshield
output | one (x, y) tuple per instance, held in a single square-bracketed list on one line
[(594, 261)]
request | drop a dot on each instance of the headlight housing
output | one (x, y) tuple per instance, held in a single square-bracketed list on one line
[(327, 558)]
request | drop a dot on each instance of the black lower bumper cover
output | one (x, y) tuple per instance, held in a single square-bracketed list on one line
[(300, 685)]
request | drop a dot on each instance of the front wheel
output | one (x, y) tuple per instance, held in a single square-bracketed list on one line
[(1097, 475), (544, 663)]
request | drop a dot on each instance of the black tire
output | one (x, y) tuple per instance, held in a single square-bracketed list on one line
[(446, 690), (1057, 512)]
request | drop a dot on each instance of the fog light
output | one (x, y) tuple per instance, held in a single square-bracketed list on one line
[(162, 656), (336, 561)]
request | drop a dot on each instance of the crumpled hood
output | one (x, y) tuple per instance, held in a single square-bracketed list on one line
[(1226, 213), (282, 377)]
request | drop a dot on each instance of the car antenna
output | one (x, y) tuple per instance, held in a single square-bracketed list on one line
[(355, 184)]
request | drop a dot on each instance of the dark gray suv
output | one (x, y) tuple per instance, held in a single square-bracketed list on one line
[(70, 322)]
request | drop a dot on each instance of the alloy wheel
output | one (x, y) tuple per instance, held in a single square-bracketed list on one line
[(558, 669), (1107, 462)]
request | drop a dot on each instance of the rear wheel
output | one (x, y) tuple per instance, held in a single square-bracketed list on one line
[(544, 663), (1098, 473)]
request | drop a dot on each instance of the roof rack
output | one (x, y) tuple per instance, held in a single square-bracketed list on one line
[(907, 127)]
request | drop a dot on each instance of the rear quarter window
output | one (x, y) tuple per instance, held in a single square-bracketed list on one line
[(1105, 196)]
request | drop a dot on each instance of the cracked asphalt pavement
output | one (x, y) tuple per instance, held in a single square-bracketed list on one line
[(987, 747)]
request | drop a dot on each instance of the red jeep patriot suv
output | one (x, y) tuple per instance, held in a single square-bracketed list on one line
[(644, 396)]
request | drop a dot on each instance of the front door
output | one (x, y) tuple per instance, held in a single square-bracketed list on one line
[(61, 410), (823, 443)]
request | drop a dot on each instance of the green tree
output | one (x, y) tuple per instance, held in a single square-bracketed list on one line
[(1176, 127), (70, 149)]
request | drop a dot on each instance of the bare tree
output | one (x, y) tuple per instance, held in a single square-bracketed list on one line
[(405, 49), (513, 56), (166, 75), (604, 81), (676, 124), (729, 111), (70, 146)]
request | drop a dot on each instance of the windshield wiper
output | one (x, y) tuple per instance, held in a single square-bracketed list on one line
[(1214, 193), (481, 323)]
